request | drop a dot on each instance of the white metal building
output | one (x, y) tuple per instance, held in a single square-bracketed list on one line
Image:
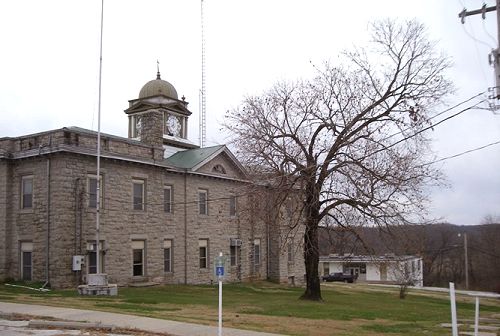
[(388, 268)]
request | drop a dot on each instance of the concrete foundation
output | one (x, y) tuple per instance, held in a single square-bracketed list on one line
[(97, 284), (110, 290)]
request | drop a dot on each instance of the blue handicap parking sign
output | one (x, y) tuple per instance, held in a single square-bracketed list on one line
[(219, 270)]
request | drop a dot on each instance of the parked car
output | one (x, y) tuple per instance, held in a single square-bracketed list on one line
[(339, 276)]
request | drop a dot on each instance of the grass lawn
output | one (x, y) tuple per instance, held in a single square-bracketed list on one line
[(346, 310)]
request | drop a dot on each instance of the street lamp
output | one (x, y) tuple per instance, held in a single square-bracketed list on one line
[(466, 262)]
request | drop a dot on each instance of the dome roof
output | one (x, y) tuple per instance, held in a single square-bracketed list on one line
[(156, 87)]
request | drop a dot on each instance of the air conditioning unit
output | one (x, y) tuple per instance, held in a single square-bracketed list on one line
[(90, 247), (235, 242)]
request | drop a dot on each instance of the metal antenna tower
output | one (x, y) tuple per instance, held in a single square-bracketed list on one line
[(203, 92)]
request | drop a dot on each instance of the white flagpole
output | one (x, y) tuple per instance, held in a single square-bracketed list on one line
[(98, 201)]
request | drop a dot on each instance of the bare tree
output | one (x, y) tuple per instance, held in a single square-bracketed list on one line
[(406, 274), (350, 138), (491, 219)]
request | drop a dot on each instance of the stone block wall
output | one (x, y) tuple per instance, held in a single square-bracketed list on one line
[(70, 230), (286, 258), (81, 139), (26, 225), (5, 177), (69, 223)]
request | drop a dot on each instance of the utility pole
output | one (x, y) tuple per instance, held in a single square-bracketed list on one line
[(494, 56), (466, 262)]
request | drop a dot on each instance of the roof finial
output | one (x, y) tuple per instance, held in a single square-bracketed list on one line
[(158, 69)]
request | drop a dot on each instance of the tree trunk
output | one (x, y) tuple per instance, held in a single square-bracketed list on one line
[(402, 291), (311, 255)]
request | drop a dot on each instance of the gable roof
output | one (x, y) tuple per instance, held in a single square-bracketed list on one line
[(193, 159), (168, 103), (189, 159)]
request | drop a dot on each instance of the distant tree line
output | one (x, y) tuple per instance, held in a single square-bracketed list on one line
[(440, 245)]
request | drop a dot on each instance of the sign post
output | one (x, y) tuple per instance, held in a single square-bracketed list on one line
[(219, 272), (454, 326)]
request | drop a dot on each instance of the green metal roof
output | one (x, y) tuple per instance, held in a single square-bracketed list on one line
[(192, 157), (158, 86)]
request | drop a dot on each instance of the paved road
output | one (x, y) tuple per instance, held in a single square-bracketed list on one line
[(21, 328), (122, 321)]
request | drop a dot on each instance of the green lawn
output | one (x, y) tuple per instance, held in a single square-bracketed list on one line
[(346, 309)]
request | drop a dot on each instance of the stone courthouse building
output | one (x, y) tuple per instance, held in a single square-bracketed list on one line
[(168, 207)]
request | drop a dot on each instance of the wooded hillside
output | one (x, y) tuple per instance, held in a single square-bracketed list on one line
[(440, 245)]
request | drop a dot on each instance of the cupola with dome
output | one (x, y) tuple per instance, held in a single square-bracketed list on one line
[(158, 117), (158, 86)]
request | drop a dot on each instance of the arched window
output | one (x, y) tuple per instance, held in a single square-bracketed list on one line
[(219, 169)]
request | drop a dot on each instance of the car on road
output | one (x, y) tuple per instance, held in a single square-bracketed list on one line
[(339, 276)]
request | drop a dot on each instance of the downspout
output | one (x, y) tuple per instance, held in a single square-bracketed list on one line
[(185, 227), (252, 213), (77, 207), (47, 258), (238, 257)]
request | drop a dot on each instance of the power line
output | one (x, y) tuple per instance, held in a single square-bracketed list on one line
[(476, 40), (424, 129), (489, 35), (442, 112), (495, 54), (238, 194), (428, 128), (194, 202), (484, 252), (463, 153)]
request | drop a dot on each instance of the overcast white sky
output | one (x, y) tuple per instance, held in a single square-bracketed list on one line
[(49, 62)]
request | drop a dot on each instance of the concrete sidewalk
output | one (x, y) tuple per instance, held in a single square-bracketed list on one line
[(124, 321)]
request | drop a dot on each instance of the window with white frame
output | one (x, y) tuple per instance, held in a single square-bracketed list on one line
[(235, 252), (203, 201), (167, 199), (138, 189), (256, 251), (92, 191), (92, 258), (27, 192), (167, 255), (92, 268), (26, 250), (232, 205), (203, 249), (138, 257)]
